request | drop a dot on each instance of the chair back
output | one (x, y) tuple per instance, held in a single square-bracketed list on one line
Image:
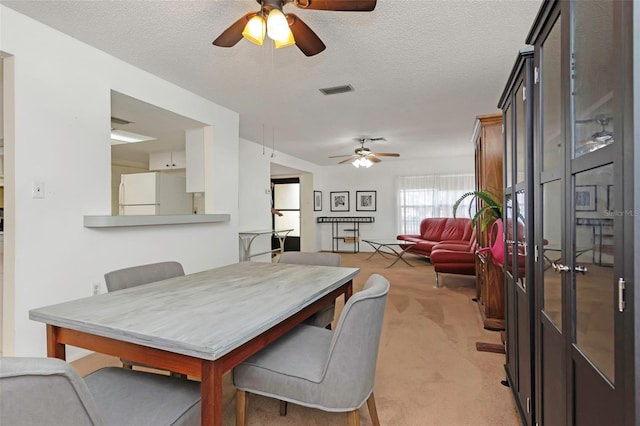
[(351, 366), (142, 274), (496, 243), (44, 391), (310, 258)]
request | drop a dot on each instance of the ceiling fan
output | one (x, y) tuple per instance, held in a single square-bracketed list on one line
[(286, 29), (363, 156)]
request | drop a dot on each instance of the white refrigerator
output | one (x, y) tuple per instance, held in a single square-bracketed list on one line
[(154, 194)]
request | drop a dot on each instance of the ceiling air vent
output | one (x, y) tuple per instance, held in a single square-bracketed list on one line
[(338, 89)]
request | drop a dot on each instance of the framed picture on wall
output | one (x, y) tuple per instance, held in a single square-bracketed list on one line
[(339, 201), (317, 201), (366, 201), (586, 198), (609, 197)]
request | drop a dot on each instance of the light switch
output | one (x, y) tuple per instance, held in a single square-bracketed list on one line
[(37, 189)]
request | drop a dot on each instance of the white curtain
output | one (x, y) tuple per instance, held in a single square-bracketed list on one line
[(420, 197)]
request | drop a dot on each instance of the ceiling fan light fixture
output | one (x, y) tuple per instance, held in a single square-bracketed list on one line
[(362, 162), (255, 30), (284, 43), (277, 26)]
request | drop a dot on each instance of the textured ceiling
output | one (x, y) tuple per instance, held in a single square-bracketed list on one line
[(421, 69)]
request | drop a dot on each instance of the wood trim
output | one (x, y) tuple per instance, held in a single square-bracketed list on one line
[(490, 118), (159, 358)]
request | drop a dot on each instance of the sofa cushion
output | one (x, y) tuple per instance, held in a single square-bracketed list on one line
[(423, 246), (454, 245), (453, 261), (452, 256), (454, 229), (413, 238), (431, 229)]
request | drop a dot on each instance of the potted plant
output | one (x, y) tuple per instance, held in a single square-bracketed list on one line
[(490, 211)]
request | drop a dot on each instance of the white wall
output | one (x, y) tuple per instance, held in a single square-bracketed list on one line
[(380, 177), (60, 136), (255, 205), (254, 198)]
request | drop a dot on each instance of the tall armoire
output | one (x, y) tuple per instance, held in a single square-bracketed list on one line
[(487, 138)]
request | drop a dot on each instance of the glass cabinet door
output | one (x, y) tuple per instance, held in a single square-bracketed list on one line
[(551, 381), (594, 101), (593, 79), (551, 100), (594, 278)]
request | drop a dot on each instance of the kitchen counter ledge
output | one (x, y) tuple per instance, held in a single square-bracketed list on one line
[(146, 220)]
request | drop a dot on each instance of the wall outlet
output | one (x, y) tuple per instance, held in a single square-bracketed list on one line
[(95, 289)]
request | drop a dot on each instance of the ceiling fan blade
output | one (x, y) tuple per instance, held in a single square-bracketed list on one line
[(337, 5), (306, 40), (339, 156), (386, 154), (347, 160), (232, 35), (373, 158)]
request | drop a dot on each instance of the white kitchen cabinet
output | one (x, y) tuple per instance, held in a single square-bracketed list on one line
[(167, 160)]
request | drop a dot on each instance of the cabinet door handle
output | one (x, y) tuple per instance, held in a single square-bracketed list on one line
[(581, 269), (559, 267)]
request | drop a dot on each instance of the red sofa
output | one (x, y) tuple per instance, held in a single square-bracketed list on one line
[(454, 258), (449, 243), (439, 230)]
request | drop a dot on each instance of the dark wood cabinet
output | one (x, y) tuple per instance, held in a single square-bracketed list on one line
[(516, 103), (487, 137), (571, 217)]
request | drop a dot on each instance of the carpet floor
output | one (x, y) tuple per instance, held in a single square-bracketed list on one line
[(429, 371)]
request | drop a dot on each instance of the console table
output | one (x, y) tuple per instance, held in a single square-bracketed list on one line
[(352, 234), (247, 237)]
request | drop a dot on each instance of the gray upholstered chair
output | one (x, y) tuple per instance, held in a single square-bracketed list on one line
[(315, 367), (139, 275), (48, 391), (142, 274), (324, 317)]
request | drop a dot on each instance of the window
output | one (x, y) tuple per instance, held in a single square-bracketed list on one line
[(420, 197)]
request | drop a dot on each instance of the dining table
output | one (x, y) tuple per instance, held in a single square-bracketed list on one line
[(202, 324)]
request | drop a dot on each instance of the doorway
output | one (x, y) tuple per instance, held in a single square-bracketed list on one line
[(285, 198)]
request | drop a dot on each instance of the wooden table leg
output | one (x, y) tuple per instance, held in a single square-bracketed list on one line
[(348, 291), (211, 393), (55, 349)]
